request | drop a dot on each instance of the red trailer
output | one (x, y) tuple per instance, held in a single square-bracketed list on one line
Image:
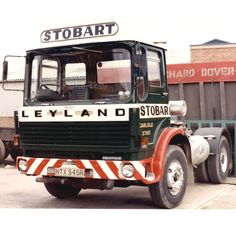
[(209, 91)]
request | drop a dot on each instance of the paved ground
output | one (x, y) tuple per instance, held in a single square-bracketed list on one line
[(19, 191), (211, 196), (25, 204)]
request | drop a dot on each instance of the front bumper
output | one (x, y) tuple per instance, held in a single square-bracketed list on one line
[(93, 169)]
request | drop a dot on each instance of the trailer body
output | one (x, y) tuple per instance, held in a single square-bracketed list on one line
[(209, 91)]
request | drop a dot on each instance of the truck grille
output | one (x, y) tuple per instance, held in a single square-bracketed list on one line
[(76, 134)]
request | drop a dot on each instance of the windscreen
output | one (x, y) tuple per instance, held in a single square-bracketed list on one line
[(81, 74)]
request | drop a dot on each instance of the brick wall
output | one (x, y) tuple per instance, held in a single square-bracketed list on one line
[(7, 122), (213, 53)]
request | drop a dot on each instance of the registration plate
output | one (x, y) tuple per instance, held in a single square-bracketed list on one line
[(66, 172)]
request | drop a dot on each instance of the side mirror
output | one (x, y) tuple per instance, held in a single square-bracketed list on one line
[(13, 69), (5, 70)]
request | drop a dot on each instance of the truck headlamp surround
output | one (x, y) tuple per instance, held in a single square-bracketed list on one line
[(128, 170), (22, 165)]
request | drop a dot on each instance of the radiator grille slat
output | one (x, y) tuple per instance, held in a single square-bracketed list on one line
[(104, 134)]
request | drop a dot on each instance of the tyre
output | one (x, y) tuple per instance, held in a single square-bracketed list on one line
[(169, 192), (15, 153), (201, 173), (6, 154), (2, 151), (218, 164), (61, 190)]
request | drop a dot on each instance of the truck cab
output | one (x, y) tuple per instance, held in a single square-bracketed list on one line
[(97, 101)]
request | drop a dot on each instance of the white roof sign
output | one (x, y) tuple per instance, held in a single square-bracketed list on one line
[(79, 32)]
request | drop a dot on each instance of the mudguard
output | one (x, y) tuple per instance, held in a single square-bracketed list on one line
[(216, 133), (158, 158)]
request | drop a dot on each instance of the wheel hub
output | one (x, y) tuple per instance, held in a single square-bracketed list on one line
[(223, 159), (175, 177)]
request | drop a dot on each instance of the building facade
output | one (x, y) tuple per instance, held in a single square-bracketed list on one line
[(213, 51)]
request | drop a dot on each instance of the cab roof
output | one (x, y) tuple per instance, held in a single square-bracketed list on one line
[(91, 45)]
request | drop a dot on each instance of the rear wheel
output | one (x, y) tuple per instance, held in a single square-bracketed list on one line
[(218, 165), (169, 192), (2, 151), (61, 190), (201, 173), (15, 153)]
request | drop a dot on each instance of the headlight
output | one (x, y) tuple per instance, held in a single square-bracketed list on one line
[(22, 165), (128, 170), (178, 108)]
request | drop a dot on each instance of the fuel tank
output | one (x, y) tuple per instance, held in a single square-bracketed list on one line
[(200, 149)]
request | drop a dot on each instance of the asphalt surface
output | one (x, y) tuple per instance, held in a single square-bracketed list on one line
[(20, 191), (26, 207)]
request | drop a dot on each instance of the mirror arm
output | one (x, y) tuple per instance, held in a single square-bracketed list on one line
[(15, 90)]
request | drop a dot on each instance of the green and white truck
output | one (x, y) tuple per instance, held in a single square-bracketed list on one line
[(98, 115)]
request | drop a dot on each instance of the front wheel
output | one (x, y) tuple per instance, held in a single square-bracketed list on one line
[(169, 192), (61, 190)]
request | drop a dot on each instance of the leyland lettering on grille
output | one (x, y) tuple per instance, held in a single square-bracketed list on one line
[(75, 114)]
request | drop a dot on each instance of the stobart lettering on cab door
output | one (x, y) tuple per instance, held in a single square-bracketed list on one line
[(154, 111)]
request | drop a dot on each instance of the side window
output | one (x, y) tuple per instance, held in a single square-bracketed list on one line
[(141, 87), (49, 75), (44, 74), (141, 79), (75, 74), (154, 71), (34, 76)]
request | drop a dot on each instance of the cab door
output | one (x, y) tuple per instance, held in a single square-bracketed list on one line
[(152, 95), (156, 77)]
